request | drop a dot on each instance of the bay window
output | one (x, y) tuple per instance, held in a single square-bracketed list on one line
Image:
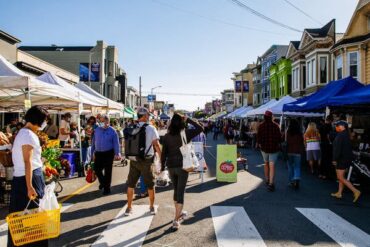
[(353, 65), (339, 67)]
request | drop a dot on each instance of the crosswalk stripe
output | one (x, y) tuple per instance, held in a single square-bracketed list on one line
[(340, 230), (4, 227), (127, 230), (234, 228)]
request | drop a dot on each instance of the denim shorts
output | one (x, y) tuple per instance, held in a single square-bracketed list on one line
[(313, 155), (270, 157)]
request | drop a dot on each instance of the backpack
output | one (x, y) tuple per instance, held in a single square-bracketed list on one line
[(135, 139)]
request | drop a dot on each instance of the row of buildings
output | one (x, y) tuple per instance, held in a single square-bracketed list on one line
[(302, 67), (97, 66)]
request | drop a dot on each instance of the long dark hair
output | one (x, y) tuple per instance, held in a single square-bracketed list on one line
[(177, 124), (294, 128)]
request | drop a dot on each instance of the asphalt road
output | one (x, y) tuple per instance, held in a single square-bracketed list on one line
[(274, 214)]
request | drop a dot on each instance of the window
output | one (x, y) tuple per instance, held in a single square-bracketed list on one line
[(323, 69), (110, 68), (353, 64), (313, 70), (308, 80), (303, 77), (339, 67), (368, 23)]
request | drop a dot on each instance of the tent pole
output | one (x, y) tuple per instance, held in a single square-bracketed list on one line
[(80, 106)]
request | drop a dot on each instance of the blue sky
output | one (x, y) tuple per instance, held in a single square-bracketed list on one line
[(169, 42)]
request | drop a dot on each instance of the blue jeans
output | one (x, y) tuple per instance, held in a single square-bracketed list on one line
[(294, 167)]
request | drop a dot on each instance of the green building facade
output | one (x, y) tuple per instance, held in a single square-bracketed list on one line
[(280, 78)]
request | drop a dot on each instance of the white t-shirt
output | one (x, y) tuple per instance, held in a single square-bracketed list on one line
[(151, 134), (25, 137), (64, 124)]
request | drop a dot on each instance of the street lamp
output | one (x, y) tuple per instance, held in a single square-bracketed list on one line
[(152, 89), (151, 93)]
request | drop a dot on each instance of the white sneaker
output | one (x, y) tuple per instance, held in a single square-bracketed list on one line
[(153, 211), (175, 225)]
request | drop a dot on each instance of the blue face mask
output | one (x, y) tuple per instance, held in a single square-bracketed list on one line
[(101, 124)]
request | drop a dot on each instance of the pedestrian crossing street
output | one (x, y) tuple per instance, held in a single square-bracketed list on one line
[(232, 225)]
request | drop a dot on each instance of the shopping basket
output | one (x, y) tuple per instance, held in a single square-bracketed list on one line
[(33, 225)]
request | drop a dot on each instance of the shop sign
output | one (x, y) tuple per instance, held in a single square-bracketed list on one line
[(226, 164)]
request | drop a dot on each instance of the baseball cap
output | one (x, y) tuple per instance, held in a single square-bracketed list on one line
[(341, 123), (142, 111), (268, 113)]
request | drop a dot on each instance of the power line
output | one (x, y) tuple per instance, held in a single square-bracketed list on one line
[(254, 12), (303, 12), (185, 94), (212, 19)]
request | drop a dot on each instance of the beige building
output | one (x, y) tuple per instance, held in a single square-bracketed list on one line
[(352, 53), (312, 62), (96, 65), (243, 97), (31, 65)]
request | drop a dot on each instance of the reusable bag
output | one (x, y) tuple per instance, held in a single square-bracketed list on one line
[(189, 159), (49, 201)]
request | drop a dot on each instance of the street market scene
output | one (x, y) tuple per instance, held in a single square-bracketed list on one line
[(185, 123)]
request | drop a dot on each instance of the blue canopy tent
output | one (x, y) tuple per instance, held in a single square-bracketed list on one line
[(319, 100), (359, 97), (164, 116)]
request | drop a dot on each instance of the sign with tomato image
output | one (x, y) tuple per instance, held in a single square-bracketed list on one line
[(226, 163)]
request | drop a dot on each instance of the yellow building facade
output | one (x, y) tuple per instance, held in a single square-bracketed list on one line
[(352, 52)]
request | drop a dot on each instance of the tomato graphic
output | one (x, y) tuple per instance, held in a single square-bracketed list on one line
[(227, 166)]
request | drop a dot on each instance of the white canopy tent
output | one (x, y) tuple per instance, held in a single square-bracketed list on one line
[(259, 110), (16, 87), (88, 100), (114, 107), (276, 107)]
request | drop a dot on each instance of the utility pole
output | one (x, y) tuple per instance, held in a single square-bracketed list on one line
[(140, 91)]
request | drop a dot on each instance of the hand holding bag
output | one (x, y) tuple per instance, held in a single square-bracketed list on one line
[(49, 200), (188, 154)]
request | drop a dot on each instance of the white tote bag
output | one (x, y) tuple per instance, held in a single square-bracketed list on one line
[(49, 200), (189, 160)]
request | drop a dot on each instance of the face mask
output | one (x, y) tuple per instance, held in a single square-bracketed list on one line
[(101, 124), (43, 125)]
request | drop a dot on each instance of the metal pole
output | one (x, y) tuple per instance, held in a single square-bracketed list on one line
[(89, 68), (140, 91)]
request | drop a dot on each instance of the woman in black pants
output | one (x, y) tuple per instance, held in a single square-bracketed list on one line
[(172, 158)]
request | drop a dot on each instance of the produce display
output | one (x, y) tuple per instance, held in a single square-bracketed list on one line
[(54, 166)]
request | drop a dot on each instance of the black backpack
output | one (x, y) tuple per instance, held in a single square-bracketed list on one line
[(135, 139)]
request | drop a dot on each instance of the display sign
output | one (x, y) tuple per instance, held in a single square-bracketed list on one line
[(226, 164), (245, 86), (94, 72), (27, 104), (238, 86), (152, 97)]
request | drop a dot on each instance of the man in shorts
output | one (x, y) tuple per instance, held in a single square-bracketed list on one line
[(269, 139), (144, 167)]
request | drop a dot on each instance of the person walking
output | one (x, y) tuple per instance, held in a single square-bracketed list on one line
[(294, 148), (253, 129), (143, 166), (51, 129), (269, 140), (342, 157), (65, 129), (28, 181), (104, 149), (326, 146), (312, 143), (172, 159)]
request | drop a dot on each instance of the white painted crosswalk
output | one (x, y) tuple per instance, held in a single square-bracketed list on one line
[(340, 230), (234, 228), (232, 225), (127, 230)]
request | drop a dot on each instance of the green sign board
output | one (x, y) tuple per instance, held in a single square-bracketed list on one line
[(226, 164)]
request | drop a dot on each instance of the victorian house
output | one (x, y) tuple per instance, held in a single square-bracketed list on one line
[(312, 62), (352, 54)]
